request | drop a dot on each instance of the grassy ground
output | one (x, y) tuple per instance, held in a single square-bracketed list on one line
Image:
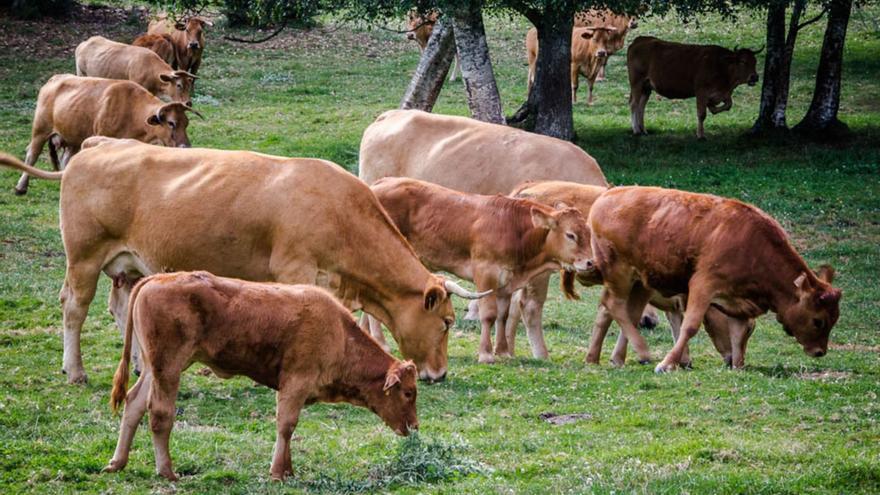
[(786, 424)]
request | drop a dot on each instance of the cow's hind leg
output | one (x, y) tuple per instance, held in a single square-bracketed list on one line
[(80, 284), (135, 408), (502, 302), (488, 312), (35, 147), (627, 309), (600, 329), (289, 403), (163, 395), (697, 304), (513, 316)]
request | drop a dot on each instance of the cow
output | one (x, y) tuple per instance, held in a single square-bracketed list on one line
[(622, 24), (529, 302), (720, 252), (677, 71), (161, 44), (188, 40), (131, 209), (295, 339), (588, 55), (497, 242), (100, 57), (419, 29), (71, 109)]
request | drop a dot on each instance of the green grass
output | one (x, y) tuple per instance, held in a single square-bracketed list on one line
[(783, 425)]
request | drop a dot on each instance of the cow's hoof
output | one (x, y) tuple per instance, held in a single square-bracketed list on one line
[(618, 363), (113, 466), (20, 192), (168, 475), (504, 354), (485, 358), (591, 360), (728, 361), (664, 368), (644, 361), (76, 378)]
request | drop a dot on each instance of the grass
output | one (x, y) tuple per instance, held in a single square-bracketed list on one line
[(786, 424)]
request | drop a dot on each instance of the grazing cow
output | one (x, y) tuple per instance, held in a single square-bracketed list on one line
[(529, 302), (622, 24), (588, 55), (161, 44), (188, 39), (718, 251), (100, 57), (419, 29), (71, 109), (498, 242), (677, 71), (295, 339), (468, 155), (131, 209)]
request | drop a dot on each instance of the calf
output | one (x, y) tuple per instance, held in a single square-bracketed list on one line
[(718, 251), (622, 24), (677, 71), (188, 40), (295, 339), (71, 109), (499, 243), (419, 29), (161, 44), (588, 55), (100, 57)]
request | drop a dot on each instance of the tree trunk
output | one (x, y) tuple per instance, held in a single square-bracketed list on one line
[(548, 107), (773, 62), (475, 64), (426, 83), (821, 118)]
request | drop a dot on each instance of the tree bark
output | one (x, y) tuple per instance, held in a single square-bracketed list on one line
[(426, 83), (476, 65), (548, 107), (821, 118)]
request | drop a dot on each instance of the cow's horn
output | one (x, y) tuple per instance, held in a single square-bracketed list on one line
[(185, 73), (193, 110), (462, 292), (759, 50)]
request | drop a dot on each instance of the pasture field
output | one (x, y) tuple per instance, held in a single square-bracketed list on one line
[(788, 423)]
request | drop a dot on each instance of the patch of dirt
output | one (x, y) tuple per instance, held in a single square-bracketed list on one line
[(564, 419), (855, 347), (825, 375)]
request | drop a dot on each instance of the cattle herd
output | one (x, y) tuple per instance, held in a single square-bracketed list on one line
[(252, 264)]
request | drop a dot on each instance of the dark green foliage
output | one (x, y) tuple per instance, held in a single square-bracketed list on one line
[(35, 9)]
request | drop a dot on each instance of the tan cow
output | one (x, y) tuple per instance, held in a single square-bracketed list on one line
[(188, 39), (622, 24), (499, 243), (100, 57), (468, 155), (161, 44), (71, 109), (419, 28), (588, 55), (529, 302), (131, 209), (677, 71), (295, 339), (718, 251)]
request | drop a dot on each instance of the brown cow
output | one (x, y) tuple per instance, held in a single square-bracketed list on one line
[(718, 251), (188, 39), (161, 44), (622, 24), (295, 339), (100, 57), (677, 71), (530, 300), (499, 243), (71, 109), (588, 55), (419, 29), (244, 215)]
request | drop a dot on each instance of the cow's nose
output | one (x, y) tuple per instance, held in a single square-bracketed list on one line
[(818, 353), (601, 53), (410, 36), (194, 45)]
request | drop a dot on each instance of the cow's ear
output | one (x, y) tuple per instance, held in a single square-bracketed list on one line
[(434, 295), (155, 119), (801, 283), (392, 376), (542, 220), (826, 273), (166, 77)]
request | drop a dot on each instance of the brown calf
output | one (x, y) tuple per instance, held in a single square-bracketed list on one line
[(622, 24), (188, 40), (71, 109), (677, 71), (161, 44), (295, 339), (419, 28), (718, 251), (588, 55), (499, 243)]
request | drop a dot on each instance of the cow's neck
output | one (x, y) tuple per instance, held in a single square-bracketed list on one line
[(779, 274), (364, 366), (529, 251)]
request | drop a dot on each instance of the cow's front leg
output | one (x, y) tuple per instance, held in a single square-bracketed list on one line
[(534, 295), (697, 304), (502, 302), (513, 317), (373, 326), (675, 319), (626, 308), (726, 104), (701, 116), (488, 313), (739, 337), (718, 327), (575, 75), (289, 403)]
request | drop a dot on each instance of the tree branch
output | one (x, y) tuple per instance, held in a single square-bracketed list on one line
[(263, 40), (814, 19)]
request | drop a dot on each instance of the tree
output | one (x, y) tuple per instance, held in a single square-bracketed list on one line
[(426, 83), (474, 62), (34, 9)]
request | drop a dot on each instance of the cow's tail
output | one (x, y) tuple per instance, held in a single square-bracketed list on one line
[(120, 378), (13, 162), (568, 289)]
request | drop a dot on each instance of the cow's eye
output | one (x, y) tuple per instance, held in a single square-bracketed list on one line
[(171, 124), (819, 324), (408, 394), (571, 236), (448, 321)]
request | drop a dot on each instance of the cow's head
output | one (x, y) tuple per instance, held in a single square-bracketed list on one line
[(394, 398), (600, 37), (568, 237), (194, 28), (633, 23), (742, 65), (167, 127), (811, 317), (179, 86), (421, 325), (417, 23)]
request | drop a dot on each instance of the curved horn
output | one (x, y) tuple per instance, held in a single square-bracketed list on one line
[(185, 73), (759, 50), (191, 109), (460, 291)]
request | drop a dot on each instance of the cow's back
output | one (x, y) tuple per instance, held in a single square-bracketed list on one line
[(468, 155)]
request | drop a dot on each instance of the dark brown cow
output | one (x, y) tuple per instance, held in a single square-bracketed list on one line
[(499, 243), (296, 339), (188, 38), (161, 44), (720, 252), (677, 71)]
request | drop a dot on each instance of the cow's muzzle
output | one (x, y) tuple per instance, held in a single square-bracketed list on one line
[(815, 352), (410, 35), (194, 46), (602, 54)]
